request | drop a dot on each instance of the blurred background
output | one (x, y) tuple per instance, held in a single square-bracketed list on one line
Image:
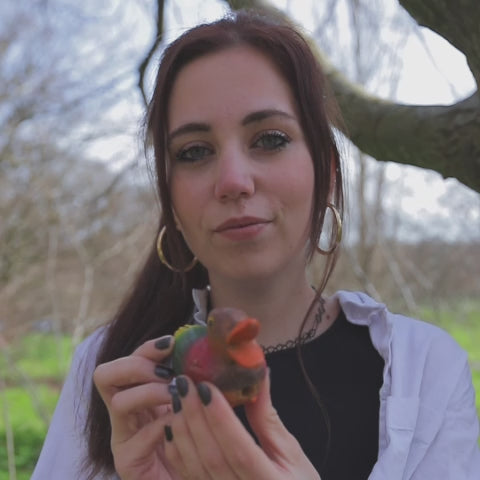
[(77, 206)]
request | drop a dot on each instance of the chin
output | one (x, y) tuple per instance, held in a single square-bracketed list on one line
[(252, 273), (261, 266)]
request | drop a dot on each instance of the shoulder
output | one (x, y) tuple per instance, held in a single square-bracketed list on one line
[(428, 353), (84, 360), (91, 344), (400, 336), (88, 348)]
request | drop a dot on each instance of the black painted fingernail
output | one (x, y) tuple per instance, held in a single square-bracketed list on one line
[(168, 433), (163, 372), (176, 403), (204, 393), (182, 386), (163, 343)]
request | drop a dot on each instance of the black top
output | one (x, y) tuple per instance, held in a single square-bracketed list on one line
[(347, 372)]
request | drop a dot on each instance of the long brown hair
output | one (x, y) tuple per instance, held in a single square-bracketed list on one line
[(160, 300)]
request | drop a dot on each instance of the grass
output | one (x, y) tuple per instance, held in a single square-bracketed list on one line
[(39, 357), (27, 424), (33, 369)]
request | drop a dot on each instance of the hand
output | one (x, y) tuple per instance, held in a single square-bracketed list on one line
[(138, 403), (206, 440)]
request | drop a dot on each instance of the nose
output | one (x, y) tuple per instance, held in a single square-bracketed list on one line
[(234, 177)]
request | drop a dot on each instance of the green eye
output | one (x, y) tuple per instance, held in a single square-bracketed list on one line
[(193, 154), (272, 140)]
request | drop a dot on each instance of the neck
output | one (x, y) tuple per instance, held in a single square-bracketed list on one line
[(279, 305)]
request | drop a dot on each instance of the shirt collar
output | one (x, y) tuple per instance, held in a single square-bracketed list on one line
[(200, 302)]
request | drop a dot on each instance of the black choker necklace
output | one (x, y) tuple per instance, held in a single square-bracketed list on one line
[(304, 337)]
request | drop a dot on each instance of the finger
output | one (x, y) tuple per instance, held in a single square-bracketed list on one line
[(131, 409), (139, 450), (140, 445), (172, 454), (123, 373), (157, 349), (277, 442), (141, 397), (241, 457), (134, 369), (181, 424), (181, 452)]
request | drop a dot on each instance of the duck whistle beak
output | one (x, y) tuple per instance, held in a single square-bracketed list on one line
[(245, 330)]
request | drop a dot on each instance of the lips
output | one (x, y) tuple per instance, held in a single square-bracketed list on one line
[(239, 223)]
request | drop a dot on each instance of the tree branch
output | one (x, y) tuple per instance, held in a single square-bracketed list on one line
[(156, 42), (458, 21), (441, 138)]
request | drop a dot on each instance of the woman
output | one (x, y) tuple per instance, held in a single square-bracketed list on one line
[(247, 168)]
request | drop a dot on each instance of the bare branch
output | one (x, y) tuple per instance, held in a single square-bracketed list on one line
[(153, 48), (440, 138)]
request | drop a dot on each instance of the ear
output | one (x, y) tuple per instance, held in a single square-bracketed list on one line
[(178, 225), (333, 178)]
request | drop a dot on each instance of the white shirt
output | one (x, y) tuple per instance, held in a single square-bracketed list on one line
[(428, 424)]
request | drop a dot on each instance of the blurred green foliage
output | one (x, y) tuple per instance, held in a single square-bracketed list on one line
[(32, 371), (28, 426), (37, 357)]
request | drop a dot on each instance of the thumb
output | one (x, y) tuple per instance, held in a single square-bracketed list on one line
[(275, 439)]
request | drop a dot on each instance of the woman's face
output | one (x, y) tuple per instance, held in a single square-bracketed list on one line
[(241, 173)]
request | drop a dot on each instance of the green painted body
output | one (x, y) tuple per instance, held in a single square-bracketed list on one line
[(185, 337)]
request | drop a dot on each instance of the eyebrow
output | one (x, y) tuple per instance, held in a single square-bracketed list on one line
[(264, 114), (191, 127), (258, 116)]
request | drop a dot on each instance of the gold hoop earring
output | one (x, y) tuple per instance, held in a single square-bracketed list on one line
[(338, 237), (164, 260)]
